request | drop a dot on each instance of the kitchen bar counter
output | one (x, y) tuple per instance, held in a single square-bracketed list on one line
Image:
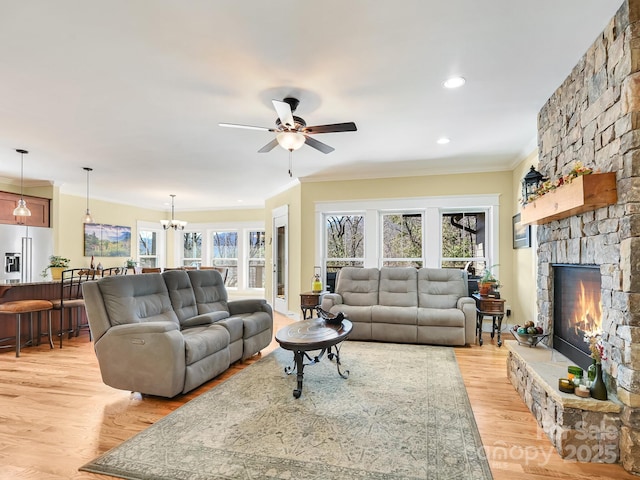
[(41, 290)]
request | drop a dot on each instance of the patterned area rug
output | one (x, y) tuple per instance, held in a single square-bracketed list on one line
[(403, 413)]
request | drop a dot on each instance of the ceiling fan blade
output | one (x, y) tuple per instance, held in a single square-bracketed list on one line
[(334, 127), (284, 113), (269, 146), (248, 127), (323, 147)]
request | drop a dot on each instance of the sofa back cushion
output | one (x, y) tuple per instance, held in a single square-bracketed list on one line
[(209, 291), (441, 287), (358, 286), (181, 294), (136, 299), (398, 287)]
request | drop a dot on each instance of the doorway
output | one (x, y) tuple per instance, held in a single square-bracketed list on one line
[(280, 259)]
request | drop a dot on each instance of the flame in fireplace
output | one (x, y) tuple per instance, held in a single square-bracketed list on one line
[(587, 312)]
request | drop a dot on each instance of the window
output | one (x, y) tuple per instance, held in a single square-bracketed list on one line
[(256, 262), (402, 240), (192, 249), (448, 231), (464, 239), (148, 248), (224, 253), (344, 240)]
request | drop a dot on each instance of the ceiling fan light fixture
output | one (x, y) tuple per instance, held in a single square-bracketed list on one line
[(454, 82), (290, 140)]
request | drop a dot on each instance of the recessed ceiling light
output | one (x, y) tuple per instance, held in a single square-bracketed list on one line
[(443, 141), (454, 82)]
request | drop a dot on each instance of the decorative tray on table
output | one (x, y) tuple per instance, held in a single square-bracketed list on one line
[(530, 339)]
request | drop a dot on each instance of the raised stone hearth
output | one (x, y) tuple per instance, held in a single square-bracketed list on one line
[(582, 429)]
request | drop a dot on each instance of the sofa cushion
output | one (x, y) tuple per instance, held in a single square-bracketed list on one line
[(254, 323), (182, 298), (209, 291), (358, 286), (398, 287), (397, 315), (136, 298), (200, 342), (441, 287), (443, 317)]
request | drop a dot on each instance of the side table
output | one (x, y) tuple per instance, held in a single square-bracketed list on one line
[(308, 303), (489, 307)]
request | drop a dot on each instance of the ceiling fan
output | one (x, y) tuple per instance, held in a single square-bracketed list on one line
[(292, 132)]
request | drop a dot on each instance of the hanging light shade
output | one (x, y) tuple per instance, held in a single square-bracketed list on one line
[(87, 215), (21, 210), (173, 223), (290, 140)]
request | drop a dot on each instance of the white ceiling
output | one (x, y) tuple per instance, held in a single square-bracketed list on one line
[(135, 89)]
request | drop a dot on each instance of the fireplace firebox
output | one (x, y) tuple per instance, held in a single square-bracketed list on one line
[(577, 309)]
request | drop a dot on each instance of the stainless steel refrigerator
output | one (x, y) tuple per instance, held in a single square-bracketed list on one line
[(26, 252)]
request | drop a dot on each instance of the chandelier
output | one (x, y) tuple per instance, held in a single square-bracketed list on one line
[(173, 223)]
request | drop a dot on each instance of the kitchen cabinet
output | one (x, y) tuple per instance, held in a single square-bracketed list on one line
[(39, 210)]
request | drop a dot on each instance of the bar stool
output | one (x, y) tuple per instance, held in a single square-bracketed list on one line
[(71, 299), (18, 308)]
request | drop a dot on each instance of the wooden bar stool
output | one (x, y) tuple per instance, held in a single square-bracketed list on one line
[(18, 308)]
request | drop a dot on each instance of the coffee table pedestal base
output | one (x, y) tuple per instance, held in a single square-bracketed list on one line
[(299, 357)]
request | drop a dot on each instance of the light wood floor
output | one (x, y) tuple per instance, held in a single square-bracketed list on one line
[(56, 414)]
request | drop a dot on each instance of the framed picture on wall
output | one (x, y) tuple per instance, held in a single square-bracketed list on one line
[(521, 233), (107, 240)]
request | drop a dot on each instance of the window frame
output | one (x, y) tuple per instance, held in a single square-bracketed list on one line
[(242, 229), (161, 241), (431, 208)]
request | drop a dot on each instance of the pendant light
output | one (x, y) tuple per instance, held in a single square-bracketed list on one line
[(21, 210), (87, 216), (175, 224)]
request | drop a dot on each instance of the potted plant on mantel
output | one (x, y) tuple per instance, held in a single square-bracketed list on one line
[(488, 283), (56, 264)]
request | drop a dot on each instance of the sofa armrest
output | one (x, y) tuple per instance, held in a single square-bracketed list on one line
[(146, 357), (249, 305), (468, 307), (329, 300)]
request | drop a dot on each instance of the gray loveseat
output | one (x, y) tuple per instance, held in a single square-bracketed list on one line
[(165, 334), (405, 305)]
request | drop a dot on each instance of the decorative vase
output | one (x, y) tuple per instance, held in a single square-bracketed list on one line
[(56, 273), (598, 388)]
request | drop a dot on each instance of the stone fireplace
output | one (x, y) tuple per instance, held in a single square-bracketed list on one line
[(577, 310), (594, 118)]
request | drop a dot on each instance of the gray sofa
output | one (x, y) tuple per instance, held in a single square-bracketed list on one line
[(405, 305), (165, 334)]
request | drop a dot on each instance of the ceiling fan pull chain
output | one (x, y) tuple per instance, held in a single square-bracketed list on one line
[(290, 163)]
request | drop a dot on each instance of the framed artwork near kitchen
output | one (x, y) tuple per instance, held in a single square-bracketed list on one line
[(102, 240)]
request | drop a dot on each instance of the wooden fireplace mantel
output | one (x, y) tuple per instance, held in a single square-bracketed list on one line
[(584, 193)]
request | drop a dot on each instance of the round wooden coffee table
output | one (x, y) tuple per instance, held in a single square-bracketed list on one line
[(311, 335)]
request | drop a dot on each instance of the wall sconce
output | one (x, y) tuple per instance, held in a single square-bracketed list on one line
[(173, 223), (530, 183), (21, 210)]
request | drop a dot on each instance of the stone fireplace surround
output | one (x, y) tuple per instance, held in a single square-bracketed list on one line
[(594, 118)]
